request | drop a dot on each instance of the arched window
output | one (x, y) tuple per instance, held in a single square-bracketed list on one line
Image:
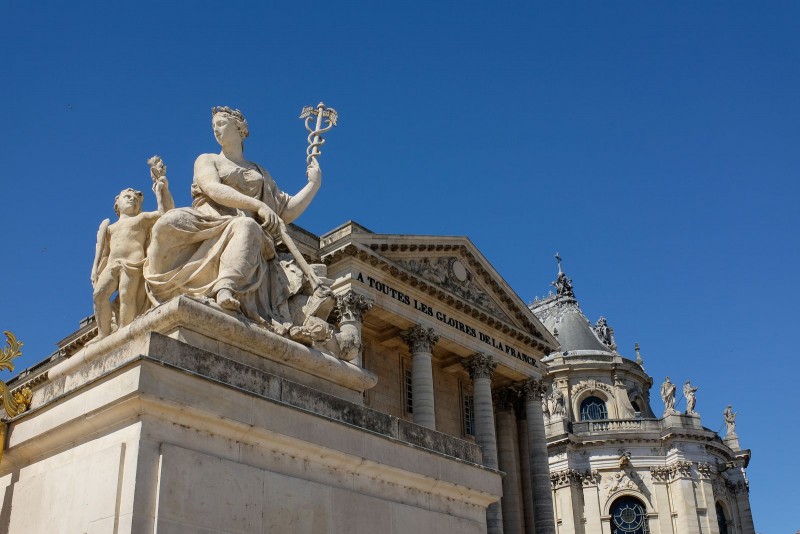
[(721, 521), (628, 516), (592, 409)]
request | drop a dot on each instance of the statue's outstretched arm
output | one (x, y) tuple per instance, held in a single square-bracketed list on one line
[(299, 202)]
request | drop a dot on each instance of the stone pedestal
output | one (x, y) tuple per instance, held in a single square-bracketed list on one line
[(147, 430)]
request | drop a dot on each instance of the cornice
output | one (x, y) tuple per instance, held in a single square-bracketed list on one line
[(367, 254)]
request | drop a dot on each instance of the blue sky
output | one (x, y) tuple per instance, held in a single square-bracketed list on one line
[(654, 145)]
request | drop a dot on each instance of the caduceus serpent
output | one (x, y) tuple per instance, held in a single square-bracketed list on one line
[(315, 139)]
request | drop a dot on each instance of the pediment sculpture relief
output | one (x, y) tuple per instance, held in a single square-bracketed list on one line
[(450, 273)]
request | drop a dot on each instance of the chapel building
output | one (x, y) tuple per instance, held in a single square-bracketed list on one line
[(617, 464)]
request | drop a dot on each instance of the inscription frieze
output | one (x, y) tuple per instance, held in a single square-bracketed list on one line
[(442, 317)]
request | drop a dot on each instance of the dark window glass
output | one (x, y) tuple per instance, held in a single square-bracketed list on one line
[(721, 521), (593, 409), (469, 415), (409, 391), (628, 517)]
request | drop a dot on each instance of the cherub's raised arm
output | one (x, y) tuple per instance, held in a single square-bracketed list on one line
[(101, 250), (163, 196)]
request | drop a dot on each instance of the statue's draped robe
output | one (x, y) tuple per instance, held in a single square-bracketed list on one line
[(209, 247)]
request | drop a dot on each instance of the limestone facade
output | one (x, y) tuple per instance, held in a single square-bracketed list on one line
[(460, 409)]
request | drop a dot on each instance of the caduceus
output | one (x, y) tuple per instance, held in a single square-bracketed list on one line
[(315, 139)]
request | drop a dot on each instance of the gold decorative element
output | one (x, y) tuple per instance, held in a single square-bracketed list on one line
[(18, 401)]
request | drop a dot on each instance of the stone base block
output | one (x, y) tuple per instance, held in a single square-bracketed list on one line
[(160, 435)]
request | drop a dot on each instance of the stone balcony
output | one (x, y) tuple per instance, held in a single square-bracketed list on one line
[(599, 428)]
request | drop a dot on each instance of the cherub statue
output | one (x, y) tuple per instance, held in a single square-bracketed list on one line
[(120, 252)]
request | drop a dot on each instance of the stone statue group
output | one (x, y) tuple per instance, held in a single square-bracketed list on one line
[(222, 249), (668, 390)]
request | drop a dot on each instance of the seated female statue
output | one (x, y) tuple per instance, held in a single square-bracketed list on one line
[(223, 247)]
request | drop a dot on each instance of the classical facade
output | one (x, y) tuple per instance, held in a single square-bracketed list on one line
[(253, 377), (617, 463)]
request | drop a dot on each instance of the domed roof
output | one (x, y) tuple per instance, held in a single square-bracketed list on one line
[(562, 316)]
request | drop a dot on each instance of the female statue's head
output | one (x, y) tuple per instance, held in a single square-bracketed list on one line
[(226, 121)]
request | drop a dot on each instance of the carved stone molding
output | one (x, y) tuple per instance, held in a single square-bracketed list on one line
[(420, 339), (565, 477), (450, 273), (592, 385), (352, 306), (682, 469), (534, 389), (660, 474), (590, 478), (480, 366), (705, 470), (671, 472), (623, 480), (739, 487)]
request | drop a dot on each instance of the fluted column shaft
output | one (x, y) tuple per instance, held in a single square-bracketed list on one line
[(481, 367), (508, 460), (421, 341), (525, 466), (539, 465)]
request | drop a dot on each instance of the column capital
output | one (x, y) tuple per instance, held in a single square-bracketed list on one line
[(420, 339), (534, 389), (480, 365), (352, 306)]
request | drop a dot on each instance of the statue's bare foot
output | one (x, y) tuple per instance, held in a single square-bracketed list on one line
[(226, 300)]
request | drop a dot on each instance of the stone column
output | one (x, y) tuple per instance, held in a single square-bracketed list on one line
[(539, 465), (420, 342), (508, 460), (524, 464), (480, 368), (352, 307)]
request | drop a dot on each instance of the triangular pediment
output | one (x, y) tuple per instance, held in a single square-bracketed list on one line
[(450, 268)]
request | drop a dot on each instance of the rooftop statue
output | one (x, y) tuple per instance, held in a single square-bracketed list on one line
[(691, 399), (223, 247), (730, 422), (563, 285), (605, 333), (668, 396)]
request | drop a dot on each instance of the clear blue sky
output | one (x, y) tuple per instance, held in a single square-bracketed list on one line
[(654, 145)]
